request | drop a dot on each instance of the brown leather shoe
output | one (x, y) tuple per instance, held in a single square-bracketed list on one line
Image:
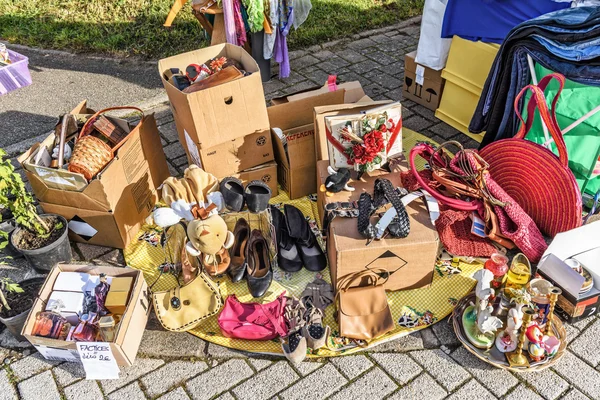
[(241, 233), (258, 260), (216, 264)]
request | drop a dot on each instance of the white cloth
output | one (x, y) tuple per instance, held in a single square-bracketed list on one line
[(433, 50)]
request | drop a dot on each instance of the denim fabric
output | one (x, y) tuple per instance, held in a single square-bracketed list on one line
[(566, 41)]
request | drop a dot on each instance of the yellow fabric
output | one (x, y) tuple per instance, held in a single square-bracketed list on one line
[(411, 310)]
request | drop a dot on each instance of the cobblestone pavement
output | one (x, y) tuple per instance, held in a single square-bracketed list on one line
[(429, 364)]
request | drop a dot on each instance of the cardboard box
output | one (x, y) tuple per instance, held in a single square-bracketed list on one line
[(571, 305), (221, 113), (353, 92), (297, 160), (410, 260), (130, 330), (266, 173), (233, 156), (422, 84), (338, 109), (110, 209)]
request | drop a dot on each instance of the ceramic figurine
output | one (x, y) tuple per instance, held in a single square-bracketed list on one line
[(336, 181), (535, 336), (478, 322), (551, 345), (507, 339), (100, 293)]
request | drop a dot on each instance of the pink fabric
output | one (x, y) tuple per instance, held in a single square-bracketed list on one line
[(229, 16), (253, 321), (240, 27)]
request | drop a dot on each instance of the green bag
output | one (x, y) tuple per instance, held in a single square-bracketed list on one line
[(583, 141)]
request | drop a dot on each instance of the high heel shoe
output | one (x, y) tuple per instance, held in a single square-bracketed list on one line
[(288, 257), (241, 233), (311, 254), (259, 273)]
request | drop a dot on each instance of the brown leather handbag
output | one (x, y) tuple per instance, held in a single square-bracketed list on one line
[(363, 310)]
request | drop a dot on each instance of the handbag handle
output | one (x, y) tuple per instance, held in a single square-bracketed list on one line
[(93, 118), (346, 282), (549, 118), (423, 150), (272, 318)]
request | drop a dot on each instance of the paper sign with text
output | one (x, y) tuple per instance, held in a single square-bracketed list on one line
[(98, 360)]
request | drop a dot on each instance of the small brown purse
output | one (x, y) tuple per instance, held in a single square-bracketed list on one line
[(363, 311)]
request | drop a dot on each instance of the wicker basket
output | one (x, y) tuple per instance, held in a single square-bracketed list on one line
[(91, 154), (557, 328)]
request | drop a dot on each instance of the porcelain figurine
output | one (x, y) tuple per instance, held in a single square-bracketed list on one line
[(551, 345), (479, 324), (507, 339), (535, 336)]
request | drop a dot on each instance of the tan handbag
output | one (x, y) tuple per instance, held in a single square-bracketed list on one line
[(363, 311), (184, 307)]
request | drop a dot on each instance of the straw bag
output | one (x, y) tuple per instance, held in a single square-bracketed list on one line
[(538, 180), (363, 311), (90, 153)]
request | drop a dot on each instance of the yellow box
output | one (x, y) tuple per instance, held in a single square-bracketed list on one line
[(121, 284), (116, 302), (466, 71)]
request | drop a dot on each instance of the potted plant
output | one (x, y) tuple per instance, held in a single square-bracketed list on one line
[(41, 238), (16, 300)]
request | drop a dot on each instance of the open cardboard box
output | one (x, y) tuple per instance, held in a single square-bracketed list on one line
[(130, 330), (266, 173), (422, 84), (297, 161), (221, 113), (110, 209), (410, 260), (353, 92)]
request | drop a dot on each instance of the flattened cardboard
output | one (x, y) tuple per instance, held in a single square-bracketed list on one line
[(233, 156), (120, 198), (410, 261), (297, 167), (218, 114), (266, 173), (131, 328), (339, 109), (424, 87), (353, 92)]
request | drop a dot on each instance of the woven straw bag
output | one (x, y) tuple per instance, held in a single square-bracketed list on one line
[(532, 175), (90, 153)]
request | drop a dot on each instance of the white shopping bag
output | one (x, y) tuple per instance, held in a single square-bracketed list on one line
[(433, 50)]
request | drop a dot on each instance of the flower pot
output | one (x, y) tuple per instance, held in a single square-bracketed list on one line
[(15, 323), (45, 258)]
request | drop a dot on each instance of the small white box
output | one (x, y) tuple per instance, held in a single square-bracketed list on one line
[(73, 304)]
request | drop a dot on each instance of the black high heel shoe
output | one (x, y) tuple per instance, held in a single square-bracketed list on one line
[(310, 252), (288, 256)]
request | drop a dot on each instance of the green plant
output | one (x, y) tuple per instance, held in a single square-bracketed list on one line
[(7, 285), (15, 198)]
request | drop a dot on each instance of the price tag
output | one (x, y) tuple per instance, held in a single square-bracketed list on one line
[(98, 360)]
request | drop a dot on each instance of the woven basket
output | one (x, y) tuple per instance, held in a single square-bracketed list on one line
[(558, 330), (91, 154), (532, 175)]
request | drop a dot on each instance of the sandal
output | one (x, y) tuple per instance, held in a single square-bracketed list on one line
[(216, 264), (233, 193), (294, 345), (316, 297), (257, 196), (315, 333)]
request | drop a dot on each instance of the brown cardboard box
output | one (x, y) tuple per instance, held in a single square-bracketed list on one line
[(353, 92), (235, 155), (116, 202), (297, 166), (130, 329), (218, 114), (422, 84), (266, 173), (338, 109), (410, 261)]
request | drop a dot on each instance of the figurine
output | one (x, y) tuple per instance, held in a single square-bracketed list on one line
[(336, 181), (479, 324), (100, 292), (535, 336), (551, 345), (507, 339)]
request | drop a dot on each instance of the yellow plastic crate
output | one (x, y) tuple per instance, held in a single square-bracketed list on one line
[(466, 71)]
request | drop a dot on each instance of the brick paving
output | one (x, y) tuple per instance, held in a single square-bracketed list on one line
[(429, 364)]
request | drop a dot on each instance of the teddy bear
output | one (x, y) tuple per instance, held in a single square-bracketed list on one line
[(210, 240)]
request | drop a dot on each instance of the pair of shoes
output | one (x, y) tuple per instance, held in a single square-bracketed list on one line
[(294, 346), (256, 195), (296, 243), (250, 258)]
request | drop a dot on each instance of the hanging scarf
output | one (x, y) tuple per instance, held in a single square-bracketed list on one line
[(301, 10), (256, 16), (240, 28), (269, 42), (229, 16), (286, 19)]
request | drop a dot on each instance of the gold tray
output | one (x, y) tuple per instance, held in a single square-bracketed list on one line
[(496, 358)]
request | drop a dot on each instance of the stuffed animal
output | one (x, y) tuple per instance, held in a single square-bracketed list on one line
[(210, 238), (336, 181)]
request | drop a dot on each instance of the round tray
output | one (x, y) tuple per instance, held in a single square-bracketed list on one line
[(496, 358)]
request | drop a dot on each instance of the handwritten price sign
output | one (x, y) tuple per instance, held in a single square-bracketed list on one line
[(98, 360)]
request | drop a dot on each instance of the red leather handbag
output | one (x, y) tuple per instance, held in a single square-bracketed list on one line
[(532, 175), (253, 321)]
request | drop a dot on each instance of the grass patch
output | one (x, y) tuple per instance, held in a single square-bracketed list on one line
[(134, 27)]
